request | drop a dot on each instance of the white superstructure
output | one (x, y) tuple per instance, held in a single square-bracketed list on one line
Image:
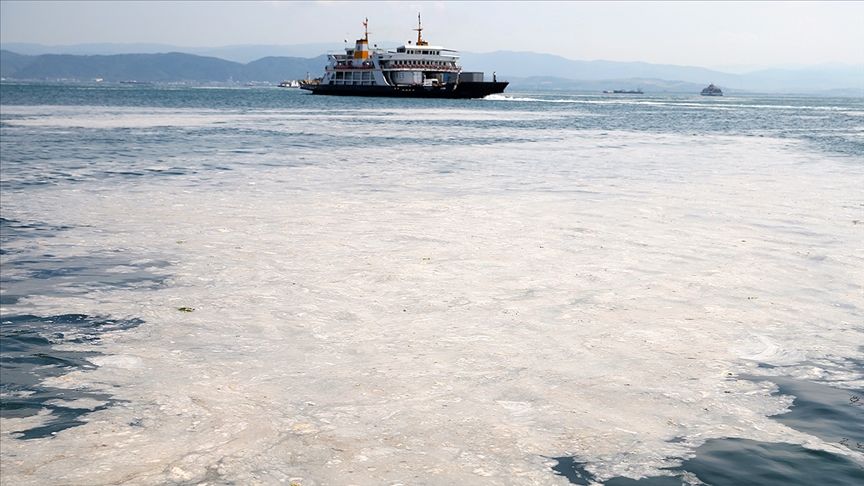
[(409, 65)]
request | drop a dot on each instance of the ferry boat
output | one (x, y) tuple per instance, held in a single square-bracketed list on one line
[(416, 70), (712, 90)]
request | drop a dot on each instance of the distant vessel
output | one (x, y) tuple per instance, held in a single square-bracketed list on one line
[(414, 71), (289, 83), (712, 90), (309, 83), (624, 91)]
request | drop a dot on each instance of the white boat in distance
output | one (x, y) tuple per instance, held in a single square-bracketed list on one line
[(712, 90)]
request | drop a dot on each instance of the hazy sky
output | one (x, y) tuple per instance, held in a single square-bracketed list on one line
[(708, 34)]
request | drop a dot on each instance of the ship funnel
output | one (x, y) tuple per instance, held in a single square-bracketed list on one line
[(361, 48)]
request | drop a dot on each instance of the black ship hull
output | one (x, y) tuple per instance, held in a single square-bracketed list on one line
[(464, 90)]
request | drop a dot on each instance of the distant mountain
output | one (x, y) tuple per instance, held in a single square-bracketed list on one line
[(819, 78), (237, 53), (525, 70), (156, 68), (275, 69), (105, 49), (648, 85), (11, 63), (509, 64), (122, 67)]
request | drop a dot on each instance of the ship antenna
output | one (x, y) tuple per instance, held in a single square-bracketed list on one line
[(366, 27), (419, 30)]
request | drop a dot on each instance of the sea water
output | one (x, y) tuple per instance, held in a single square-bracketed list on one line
[(262, 286)]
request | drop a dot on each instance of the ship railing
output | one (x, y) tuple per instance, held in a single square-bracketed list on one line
[(424, 67), (401, 67)]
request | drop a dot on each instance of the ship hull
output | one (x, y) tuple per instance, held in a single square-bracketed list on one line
[(463, 90)]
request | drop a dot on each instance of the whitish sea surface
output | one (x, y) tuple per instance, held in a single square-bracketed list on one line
[(260, 286)]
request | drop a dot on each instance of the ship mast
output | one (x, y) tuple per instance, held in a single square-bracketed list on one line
[(361, 48), (419, 29)]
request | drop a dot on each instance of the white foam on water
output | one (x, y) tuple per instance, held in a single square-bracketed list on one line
[(533, 99), (118, 361), (50, 116), (767, 351), (77, 403), (375, 321)]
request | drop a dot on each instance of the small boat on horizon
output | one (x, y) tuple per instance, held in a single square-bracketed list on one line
[(712, 90), (624, 91)]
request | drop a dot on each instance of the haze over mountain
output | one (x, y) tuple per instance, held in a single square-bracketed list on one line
[(526, 70), (237, 53)]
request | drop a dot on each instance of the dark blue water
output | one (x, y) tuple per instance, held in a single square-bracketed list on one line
[(739, 462), (29, 344), (28, 355), (835, 415)]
